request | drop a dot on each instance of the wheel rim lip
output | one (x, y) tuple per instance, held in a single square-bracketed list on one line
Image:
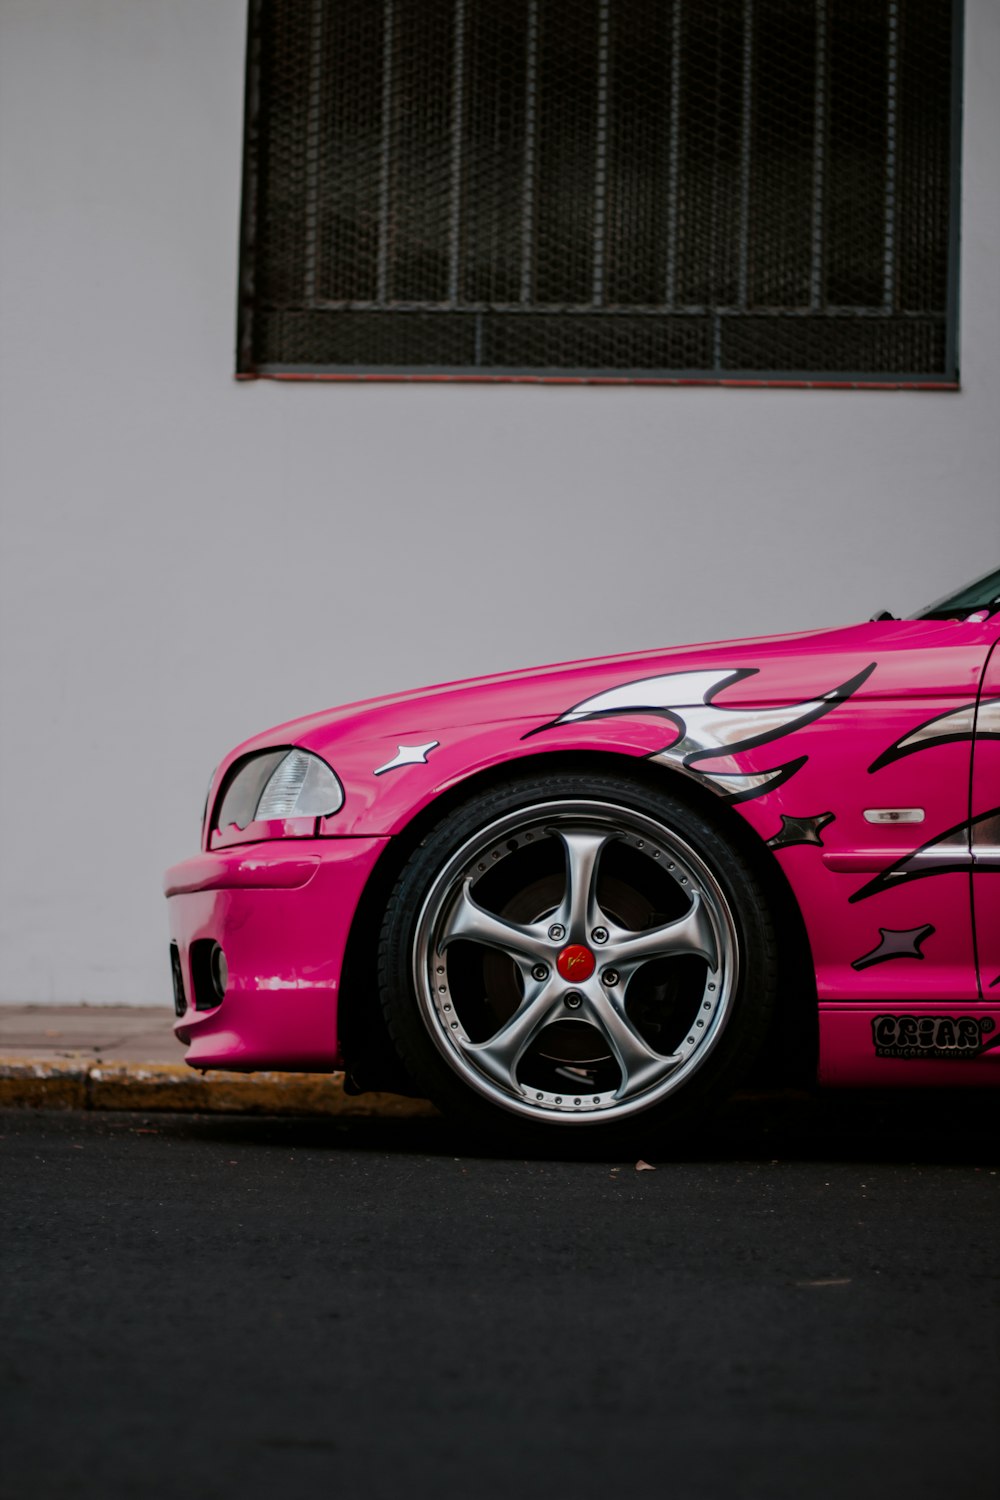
[(610, 816)]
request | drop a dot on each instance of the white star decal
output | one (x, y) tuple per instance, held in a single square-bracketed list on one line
[(408, 755)]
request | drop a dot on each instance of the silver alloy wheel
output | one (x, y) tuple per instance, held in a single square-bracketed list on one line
[(515, 1023)]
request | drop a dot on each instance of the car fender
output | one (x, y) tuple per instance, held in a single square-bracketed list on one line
[(801, 778)]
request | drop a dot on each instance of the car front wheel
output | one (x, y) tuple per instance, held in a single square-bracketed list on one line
[(572, 952)]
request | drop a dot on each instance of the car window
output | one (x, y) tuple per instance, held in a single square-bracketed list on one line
[(984, 593)]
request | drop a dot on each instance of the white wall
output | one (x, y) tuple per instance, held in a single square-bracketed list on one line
[(186, 560)]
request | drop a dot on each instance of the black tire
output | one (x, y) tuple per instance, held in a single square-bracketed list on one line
[(606, 929)]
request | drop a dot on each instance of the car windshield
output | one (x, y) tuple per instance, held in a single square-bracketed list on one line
[(983, 594)]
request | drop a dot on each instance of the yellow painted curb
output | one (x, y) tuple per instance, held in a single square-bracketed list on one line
[(48, 1085), (174, 1086)]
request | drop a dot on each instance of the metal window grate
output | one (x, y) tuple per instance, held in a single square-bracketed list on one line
[(577, 188)]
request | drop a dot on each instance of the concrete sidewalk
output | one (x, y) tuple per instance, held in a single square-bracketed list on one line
[(127, 1057)]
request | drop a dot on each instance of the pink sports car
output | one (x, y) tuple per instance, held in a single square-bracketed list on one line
[(582, 894)]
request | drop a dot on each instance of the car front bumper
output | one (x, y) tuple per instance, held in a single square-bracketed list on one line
[(281, 912)]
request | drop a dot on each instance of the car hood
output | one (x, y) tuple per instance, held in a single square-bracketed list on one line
[(778, 668)]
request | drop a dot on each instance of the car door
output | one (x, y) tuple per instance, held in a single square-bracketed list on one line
[(985, 828), (894, 924), (914, 1014)]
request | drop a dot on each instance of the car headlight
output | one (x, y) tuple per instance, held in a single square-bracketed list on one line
[(280, 784)]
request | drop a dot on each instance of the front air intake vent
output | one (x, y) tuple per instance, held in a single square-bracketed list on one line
[(177, 980)]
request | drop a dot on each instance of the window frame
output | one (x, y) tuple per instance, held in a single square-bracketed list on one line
[(247, 368)]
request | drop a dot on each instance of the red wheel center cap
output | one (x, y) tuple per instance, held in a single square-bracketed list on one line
[(576, 963)]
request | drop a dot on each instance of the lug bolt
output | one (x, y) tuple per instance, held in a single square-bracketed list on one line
[(573, 1000), (599, 935), (610, 977), (539, 972), (557, 931)]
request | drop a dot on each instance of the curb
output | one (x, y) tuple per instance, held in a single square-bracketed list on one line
[(175, 1086)]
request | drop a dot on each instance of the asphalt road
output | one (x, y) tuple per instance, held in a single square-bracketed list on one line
[(801, 1303)]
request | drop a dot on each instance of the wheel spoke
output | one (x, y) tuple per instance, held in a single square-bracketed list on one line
[(500, 1055), (640, 1065), (472, 923), (691, 934), (579, 912)]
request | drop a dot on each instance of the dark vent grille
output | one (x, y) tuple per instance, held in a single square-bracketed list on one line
[(631, 188)]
